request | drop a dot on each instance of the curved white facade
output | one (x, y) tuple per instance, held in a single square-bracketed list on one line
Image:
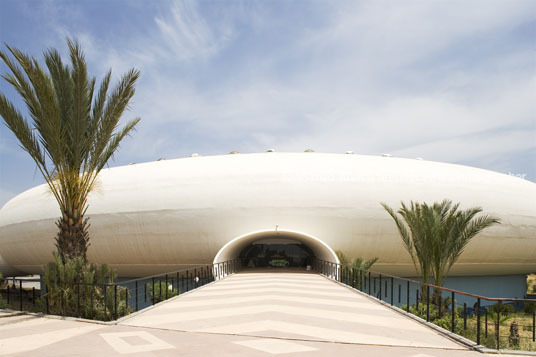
[(162, 216)]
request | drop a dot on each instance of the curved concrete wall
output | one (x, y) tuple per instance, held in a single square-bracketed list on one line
[(164, 215)]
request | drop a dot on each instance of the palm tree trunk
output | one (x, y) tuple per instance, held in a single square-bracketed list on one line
[(72, 239)]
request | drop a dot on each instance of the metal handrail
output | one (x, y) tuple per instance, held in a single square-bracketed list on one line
[(336, 271), (338, 265), (168, 273)]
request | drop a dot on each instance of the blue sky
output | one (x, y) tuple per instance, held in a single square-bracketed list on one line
[(451, 81)]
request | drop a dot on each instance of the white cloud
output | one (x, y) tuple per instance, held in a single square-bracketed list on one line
[(185, 35), (441, 80)]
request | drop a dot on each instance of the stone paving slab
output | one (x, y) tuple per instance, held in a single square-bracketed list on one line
[(242, 315), (270, 304)]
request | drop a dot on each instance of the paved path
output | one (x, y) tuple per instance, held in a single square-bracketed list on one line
[(250, 314)]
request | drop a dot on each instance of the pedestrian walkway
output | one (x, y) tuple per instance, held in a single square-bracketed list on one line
[(247, 314)]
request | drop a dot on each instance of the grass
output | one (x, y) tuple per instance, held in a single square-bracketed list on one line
[(487, 339), (524, 322)]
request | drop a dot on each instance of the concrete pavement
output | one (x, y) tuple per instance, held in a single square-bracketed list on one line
[(248, 314)]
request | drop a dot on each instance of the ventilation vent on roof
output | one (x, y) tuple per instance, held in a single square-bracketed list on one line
[(234, 152), (309, 150), (270, 150), (418, 158), (195, 155), (350, 152), (387, 155), (161, 159)]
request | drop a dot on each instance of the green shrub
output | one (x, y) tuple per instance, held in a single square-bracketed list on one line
[(72, 281), (529, 307), (505, 308), (160, 288), (278, 263)]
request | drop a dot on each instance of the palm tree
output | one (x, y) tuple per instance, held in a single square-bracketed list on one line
[(73, 130), (436, 235), (355, 266)]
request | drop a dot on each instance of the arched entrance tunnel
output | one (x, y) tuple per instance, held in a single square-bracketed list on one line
[(275, 248)]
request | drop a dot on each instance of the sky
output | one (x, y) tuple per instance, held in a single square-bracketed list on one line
[(449, 81)]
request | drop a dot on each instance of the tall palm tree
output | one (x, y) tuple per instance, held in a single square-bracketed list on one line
[(436, 235), (73, 130)]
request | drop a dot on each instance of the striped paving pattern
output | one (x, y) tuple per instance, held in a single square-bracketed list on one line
[(290, 306), (250, 315)]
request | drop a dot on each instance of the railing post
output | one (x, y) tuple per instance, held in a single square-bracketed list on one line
[(369, 282), (453, 312), (20, 293), (380, 288), (115, 301), (104, 286), (136, 289), (497, 331), (478, 321), (62, 299), (78, 298), (126, 300), (417, 299), (407, 297), (160, 289), (439, 307), (91, 300), (153, 297), (33, 295), (427, 302), (465, 316), (7, 294), (178, 289), (486, 322), (392, 282), (399, 294), (534, 325), (166, 287)]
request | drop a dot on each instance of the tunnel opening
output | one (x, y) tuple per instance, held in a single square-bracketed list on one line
[(275, 252), (277, 248)]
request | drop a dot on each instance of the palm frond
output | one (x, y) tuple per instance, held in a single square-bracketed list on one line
[(71, 133)]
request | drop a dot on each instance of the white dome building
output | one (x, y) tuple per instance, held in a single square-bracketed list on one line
[(166, 215)]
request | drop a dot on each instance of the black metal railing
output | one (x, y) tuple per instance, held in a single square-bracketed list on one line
[(17, 294), (497, 323), (110, 301)]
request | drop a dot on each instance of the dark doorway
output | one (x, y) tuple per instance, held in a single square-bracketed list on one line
[(276, 253)]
